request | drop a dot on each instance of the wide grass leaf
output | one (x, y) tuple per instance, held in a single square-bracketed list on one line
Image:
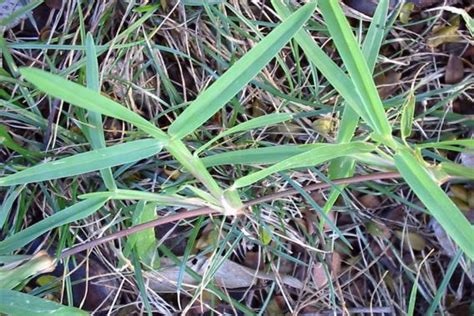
[(144, 241), (357, 67), (68, 215), (257, 156), (239, 75), (86, 162), (310, 158), (438, 203), (17, 303), (88, 99), (96, 131), (164, 199)]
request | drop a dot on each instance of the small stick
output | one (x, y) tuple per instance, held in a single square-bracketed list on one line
[(209, 211)]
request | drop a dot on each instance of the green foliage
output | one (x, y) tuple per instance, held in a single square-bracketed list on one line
[(17, 303)]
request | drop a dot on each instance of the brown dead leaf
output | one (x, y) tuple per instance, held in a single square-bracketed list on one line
[(445, 34), (447, 245), (319, 276), (454, 70), (470, 198), (54, 4), (413, 240), (406, 11), (370, 201), (460, 192), (229, 274), (336, 264), (462, 205), (387, 83)]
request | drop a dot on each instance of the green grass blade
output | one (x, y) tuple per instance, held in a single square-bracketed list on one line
[(121, 194), (375, 35), (257, 156), (438, 203), (144, 242), (444, 284), (357, 67), (73, 213), (195, 166), (86, 162), (469, 143), (408, 112), (17, 303), (96, 132), (310, 158), (239, 75), (23, 10), (87, 99), (454, 169), (338, 78), (258, 122), (8, 200)]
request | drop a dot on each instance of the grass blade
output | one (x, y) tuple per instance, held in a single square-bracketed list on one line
[(96, 132), (310, 158), (17, 303), (85, 98), (257, 156), (144, 242), (438, 203), (338, 78), (73, 213), (444, 284), (357, 67), (239, 75), (121, 194), (86, 162), (408, 112)]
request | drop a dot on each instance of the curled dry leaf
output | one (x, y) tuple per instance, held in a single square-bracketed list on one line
[(229, 274)]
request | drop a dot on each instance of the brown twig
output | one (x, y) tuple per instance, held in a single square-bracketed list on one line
[(209, 211)]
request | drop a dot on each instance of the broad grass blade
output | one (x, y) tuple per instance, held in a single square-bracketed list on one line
[(357, 67), (73, 213), (96, 132), (85, 98), (121, 194), (17, 303), (86, 162), (438, 203), (310, 158), (239, 75), (144, 241), (257, 156)]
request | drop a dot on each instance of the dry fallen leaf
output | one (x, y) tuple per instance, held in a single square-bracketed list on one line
[(447, 245), (454, 70), (445, 34), (229, 274), (319, 275), (387, 83), (413, 240)]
